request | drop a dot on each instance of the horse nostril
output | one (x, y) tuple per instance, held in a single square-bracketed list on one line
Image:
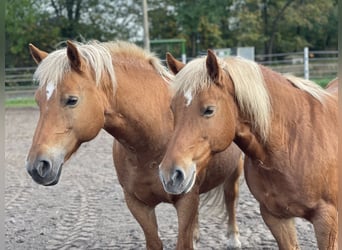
[(177, 177), (43, 168)]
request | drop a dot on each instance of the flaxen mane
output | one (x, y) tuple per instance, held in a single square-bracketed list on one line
[(253, 99), (308, 86), (130, 50), (98, 56)]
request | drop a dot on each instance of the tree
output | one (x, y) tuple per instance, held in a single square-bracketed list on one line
[(315, 23), (284, 25), (46, 23), (26, 24), (162, 19), (268, 25), (95, 19), (199, 22)]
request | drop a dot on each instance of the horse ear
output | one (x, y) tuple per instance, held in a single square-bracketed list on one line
[(173, 64), (37, 54), (213, 66), (74, 56)]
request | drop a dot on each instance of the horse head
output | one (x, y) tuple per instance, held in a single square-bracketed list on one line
[(202, 104), (71, 108)]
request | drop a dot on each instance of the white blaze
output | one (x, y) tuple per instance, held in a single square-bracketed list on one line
[(188, 97), (50, 87)]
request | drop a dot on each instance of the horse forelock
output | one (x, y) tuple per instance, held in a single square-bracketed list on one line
[(251, 94), (99, 58), (191, 78), (52, 69), (96, 56)]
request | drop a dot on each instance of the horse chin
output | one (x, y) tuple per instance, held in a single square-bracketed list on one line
[(56, 180)]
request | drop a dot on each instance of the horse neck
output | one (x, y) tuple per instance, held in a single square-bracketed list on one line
[(140, 117), (294, 115)]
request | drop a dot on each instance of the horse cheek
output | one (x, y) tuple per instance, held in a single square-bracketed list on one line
[(90, 121), (96, 124), (225, 132)]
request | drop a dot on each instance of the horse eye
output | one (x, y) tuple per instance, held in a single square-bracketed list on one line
[(208, 111), (71, 101)]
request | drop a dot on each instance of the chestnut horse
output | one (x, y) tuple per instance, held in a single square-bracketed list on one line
[(122, 89), (333, 86), (286, 126)]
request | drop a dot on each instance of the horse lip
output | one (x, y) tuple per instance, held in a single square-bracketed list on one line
[(56, 179), (172, 190)]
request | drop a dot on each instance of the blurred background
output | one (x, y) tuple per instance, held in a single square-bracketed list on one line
[(291, 36)]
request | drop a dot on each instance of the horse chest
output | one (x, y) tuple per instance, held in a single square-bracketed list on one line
[(144, 184), (150, 194), (274, 191)]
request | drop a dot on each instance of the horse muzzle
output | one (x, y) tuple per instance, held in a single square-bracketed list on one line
[(177, 180), (44, 171)]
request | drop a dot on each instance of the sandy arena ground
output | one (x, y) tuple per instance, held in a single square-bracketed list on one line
[(86, 209)]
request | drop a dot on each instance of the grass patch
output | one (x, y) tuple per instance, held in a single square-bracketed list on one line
[(322, 81), (20, 103)]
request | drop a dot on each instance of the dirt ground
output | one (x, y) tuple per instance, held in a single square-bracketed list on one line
[(86, 209)]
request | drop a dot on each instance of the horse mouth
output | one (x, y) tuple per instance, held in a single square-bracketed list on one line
[(56, 180), (50, 180)]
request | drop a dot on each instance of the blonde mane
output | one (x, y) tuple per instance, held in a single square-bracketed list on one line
[(308, 86), (252, 99), (131, 50), (98, 56)]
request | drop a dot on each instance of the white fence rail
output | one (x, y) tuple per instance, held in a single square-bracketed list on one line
[(319, 65), (314, 65), (19, 78)]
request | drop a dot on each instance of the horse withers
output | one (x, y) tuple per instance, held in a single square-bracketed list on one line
[(286, 126), (122, 89)]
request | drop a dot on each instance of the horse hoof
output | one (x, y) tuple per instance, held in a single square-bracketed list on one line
[(233, 244)]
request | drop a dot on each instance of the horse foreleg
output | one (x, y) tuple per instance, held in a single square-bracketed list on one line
[(325, 225), (231, 190), (187, 212), (196, 233), (146, 217), (283, 230)]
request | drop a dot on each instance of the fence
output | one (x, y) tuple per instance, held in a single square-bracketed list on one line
[(307, 64), (320, 65), (18, 82)]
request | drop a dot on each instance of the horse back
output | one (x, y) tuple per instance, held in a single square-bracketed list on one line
[(332, 86)]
